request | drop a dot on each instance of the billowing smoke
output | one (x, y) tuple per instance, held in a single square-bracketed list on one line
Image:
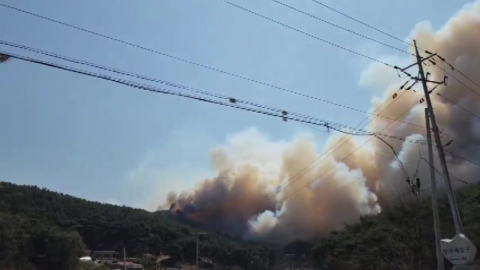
[(260, 194)]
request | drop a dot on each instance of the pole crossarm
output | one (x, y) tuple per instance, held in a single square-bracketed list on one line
[(414, 64)]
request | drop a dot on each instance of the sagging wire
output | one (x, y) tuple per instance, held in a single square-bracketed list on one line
[(414, 187), (232, 102)]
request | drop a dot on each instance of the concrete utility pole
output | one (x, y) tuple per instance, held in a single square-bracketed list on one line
[(459, 250), (198, 238), (438, 142), (436, 219), (451, 197)]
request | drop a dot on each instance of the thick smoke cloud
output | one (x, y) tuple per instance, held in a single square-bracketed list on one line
[(259, 194)]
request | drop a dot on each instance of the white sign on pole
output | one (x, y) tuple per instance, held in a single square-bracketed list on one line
[(458, 250)]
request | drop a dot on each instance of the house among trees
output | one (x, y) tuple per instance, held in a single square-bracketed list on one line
[(106, 257)]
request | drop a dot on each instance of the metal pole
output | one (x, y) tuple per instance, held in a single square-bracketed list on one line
[(124, 260), (436, 219), (198, 236), (197, 252), (441, 153)]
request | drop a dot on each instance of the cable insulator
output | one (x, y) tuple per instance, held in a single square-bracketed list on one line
[(410, 87), (403, 86), (232, 100), (398, 74)]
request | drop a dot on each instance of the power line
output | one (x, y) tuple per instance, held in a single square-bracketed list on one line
[(358, 148), (463, 158), (231, 102), (307, 34), (185, 60), (330, 125), (319, 122), (392, 137), (360, 22), (163, 91), (458, 105), (458, 179), (439, 173), (462, 83), (131, 74), (377, 153), (159, 90), (308, 168), (399, 39), (408, 109), (463, 74), (368, 17), (341, 27)]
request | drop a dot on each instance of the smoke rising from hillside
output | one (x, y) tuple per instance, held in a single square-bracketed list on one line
[(259, 194)]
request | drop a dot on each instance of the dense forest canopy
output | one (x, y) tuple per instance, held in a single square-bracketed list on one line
[(41, 229), (99, 226)]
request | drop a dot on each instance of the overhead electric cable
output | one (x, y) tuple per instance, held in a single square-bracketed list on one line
[(307, 34), (458, 105), (327, 124), (355, 150), (360, 22), (183, 60), (153, 89), (341, 27), (144, 87), (403, 41), (131, 74)]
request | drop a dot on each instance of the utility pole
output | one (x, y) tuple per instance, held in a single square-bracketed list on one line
[(436, 219), (451, 197), (421, 77), (198, 238)]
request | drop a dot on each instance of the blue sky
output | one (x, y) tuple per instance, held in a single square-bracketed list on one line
[(102, 141)]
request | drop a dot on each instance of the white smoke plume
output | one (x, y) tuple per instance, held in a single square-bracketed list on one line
[(259, 193)]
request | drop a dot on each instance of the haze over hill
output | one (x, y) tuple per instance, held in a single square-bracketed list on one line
[(259, 194)]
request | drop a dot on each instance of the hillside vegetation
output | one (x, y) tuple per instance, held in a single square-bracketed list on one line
[(40, 229), (400, 237), (35, 222)]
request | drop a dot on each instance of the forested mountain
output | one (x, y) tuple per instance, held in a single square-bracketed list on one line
[(399, 238), (40, 229), (28, 211)]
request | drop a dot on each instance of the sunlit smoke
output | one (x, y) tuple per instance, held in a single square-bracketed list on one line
[(283, 191)]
